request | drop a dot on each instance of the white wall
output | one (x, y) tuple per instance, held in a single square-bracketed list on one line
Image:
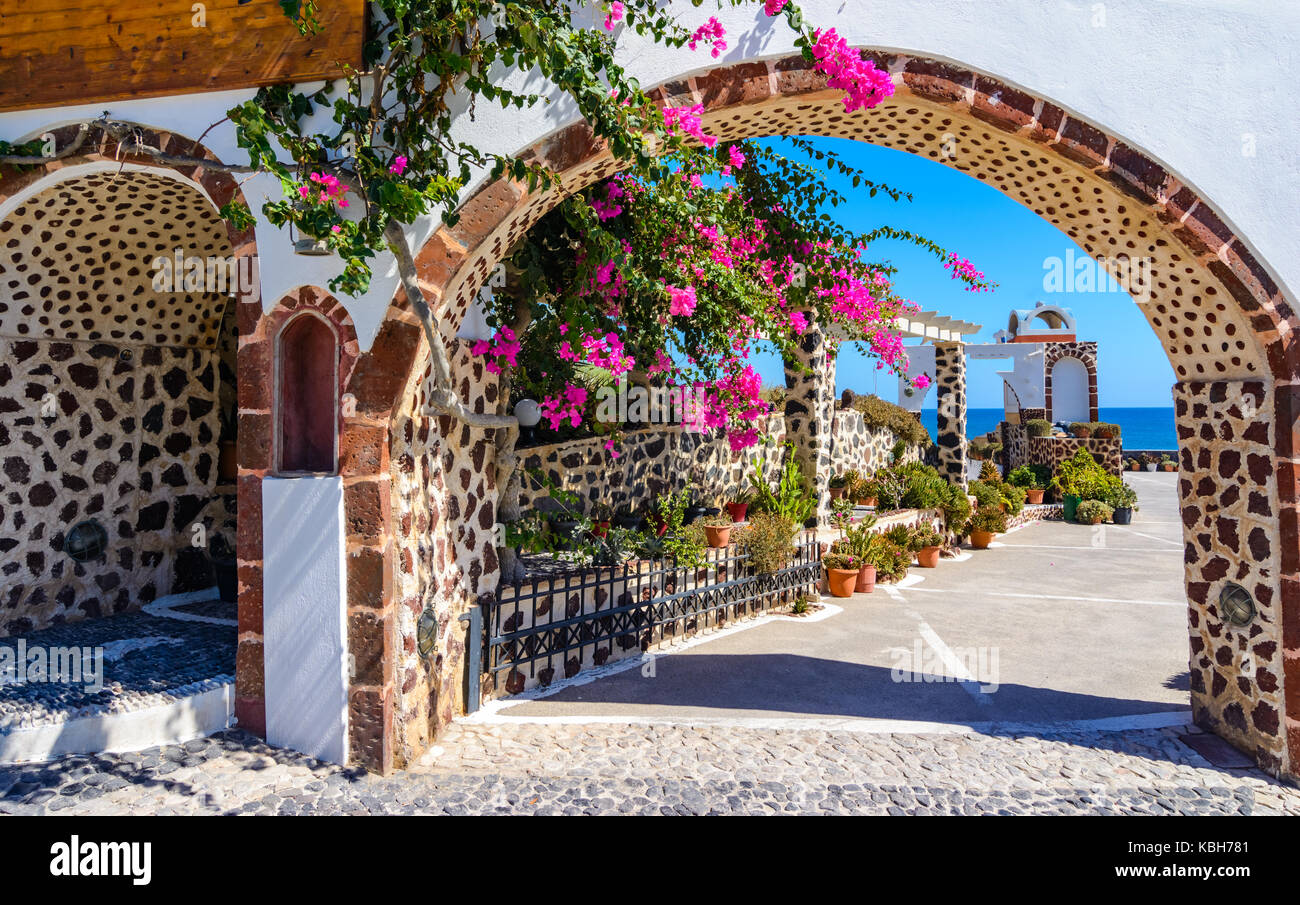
[(1193, 83), (1070, 391)]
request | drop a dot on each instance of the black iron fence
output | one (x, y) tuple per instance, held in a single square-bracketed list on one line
[(555, 625)]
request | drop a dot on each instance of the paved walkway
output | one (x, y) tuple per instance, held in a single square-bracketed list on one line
[(597, 769), (1058, 622), (1088, 716)]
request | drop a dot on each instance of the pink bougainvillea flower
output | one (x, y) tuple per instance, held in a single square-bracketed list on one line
[(398, 165), (921, 381), (613, 14), (711, 32), (772, 7), (845, 69), (681, 301)]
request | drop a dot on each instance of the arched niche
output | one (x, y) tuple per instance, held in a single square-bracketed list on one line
[(306, 396)]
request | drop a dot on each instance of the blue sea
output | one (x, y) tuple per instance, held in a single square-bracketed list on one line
[(1141, 428)]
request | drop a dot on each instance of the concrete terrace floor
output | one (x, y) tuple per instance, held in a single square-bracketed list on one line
[(1072, 623), (800, 717)]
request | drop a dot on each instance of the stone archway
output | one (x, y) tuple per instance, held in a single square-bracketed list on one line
[(114, 390), (1223, 321)]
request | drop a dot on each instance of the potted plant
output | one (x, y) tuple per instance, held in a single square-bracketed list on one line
[(738, 507), (1104, 430), (1123, 500), (837, 485), (600, 518), (1168, 464), (1038, 427), (866, 492), (841, 573), (985, 523), (1081, 429), (1092, 512), (1149, 462), (717, 528), (1131, 464), (927, 544), (1031, 479)]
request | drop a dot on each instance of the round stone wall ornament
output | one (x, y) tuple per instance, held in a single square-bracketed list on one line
[(1236, 607), (86, 541), (426, 633)]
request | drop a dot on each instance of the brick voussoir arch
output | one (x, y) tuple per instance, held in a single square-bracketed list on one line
[(1235, 299), (258, 333), (220, 186)]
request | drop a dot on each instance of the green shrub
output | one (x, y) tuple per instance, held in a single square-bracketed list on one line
[(925, 536), (878, 413), (1092, 510), (1030, 477), (1038, 427), (987, 518), (1120, 496), (986, 494), (989, 472), (1082, 476), (845, 561), (768, 542), (774, 396), (956, 508), (791, 499), (890, 559)]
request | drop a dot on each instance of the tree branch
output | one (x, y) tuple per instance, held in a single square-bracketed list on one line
[(443, 396)]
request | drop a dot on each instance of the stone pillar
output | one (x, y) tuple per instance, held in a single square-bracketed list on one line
[(950, 393), (810, 411), (1235, 534)]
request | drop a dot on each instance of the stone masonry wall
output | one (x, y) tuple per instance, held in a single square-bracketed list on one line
[(1231, 533), (856, 447), (650, 463), (86, 433), (444, 507)]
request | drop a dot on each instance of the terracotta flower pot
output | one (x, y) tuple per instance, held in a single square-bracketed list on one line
[(1105, 435), (1033, 497), (928, 557), (1092, 521), (867, 501), (1083, 433), (841, 582), (1169, 467), (836, 492), (980, 540), (718, 535), (737, 511), (866, 582)]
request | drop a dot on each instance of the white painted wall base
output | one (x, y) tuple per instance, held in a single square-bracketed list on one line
[(180, 721), (304, 616)]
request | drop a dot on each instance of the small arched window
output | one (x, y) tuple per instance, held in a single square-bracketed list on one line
[(307, 405)]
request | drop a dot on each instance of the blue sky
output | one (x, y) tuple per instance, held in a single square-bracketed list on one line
[(1009, 243)]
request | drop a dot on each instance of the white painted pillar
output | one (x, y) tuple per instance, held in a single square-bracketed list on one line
[(304, 616)]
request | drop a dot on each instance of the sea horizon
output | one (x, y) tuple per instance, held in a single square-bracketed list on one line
[(1141, 426)]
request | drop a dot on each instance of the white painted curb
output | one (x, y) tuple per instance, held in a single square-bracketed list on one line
[(168, 724)]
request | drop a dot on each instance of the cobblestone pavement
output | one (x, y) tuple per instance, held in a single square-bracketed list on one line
[(651, 769)]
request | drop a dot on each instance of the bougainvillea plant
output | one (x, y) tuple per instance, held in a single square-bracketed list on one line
[(674, 281)]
